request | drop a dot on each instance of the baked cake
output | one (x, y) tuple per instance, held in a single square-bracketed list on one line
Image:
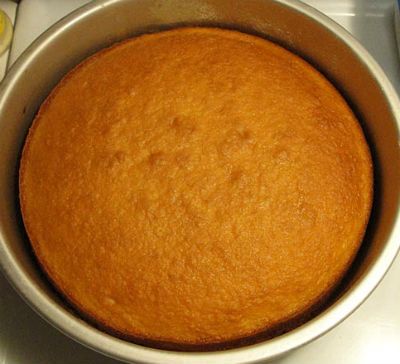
[(195, 188)]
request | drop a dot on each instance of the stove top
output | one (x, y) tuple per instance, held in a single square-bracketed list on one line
[(369, 336)]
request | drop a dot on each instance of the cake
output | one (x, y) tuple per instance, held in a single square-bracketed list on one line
[(195, 189)]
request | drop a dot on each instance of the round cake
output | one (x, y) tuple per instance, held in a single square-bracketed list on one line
[(195, 188)]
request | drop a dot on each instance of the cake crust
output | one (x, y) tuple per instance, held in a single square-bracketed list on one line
[(194, 188)]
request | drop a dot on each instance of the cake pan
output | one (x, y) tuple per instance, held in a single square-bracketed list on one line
[(292, 24)]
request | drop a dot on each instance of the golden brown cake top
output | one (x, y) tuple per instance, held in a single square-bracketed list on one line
[(195, 186)]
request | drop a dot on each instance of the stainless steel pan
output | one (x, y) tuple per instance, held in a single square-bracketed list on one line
[(290, 23)]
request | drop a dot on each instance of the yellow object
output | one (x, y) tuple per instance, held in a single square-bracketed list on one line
[(6, 31)]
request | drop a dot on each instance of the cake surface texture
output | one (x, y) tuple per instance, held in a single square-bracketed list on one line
[(195, 187)]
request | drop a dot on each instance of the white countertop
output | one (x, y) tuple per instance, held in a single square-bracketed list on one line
[(371, 335)]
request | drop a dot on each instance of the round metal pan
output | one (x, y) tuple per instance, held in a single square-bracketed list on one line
[(290, 23)]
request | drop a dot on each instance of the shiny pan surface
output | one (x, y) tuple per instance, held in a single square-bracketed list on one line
[(290, 23)]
